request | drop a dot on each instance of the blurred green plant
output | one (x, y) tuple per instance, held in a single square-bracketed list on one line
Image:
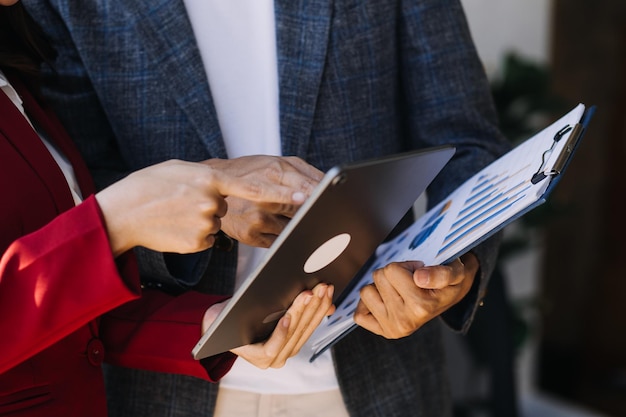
[(525, 105), (523, 97)]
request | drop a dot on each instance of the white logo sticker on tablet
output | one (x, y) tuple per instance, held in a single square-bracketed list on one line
[(326, 253)]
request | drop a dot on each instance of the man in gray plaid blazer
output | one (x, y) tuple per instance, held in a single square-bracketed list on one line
[(356, 79)]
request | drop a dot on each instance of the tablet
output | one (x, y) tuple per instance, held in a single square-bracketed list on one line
[(351, 211)]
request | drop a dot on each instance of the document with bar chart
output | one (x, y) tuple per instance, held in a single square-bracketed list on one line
[(500, 193)]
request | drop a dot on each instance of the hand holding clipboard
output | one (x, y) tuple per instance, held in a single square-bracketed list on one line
[(502, 192)]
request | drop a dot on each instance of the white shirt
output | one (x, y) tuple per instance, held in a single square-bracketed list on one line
[(237, 42), (60, 159)]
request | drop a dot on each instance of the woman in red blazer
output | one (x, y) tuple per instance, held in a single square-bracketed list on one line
[(70, 296)]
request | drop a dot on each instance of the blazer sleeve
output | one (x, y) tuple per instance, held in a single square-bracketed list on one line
[(158, 332), (57, 279), (63, 276)]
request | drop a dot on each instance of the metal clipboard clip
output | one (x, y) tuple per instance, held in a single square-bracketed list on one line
[(543, 173)]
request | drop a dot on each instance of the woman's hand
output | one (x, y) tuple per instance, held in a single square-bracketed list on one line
[(291, 332), (176, 206)]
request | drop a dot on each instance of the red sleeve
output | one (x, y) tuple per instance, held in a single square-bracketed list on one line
[(158, 332), (57, 279)]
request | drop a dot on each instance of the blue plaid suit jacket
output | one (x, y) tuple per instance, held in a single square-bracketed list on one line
[(358, 78)]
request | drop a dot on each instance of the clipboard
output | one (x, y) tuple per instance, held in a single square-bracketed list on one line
[(499, 194), (351, 211)]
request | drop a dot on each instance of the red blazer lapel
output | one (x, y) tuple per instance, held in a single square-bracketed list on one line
[(25, 140), (45, 119)]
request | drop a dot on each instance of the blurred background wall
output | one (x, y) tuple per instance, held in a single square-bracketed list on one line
[(502, 26), (566, 286)]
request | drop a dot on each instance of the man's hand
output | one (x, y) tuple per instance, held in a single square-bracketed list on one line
[(406, 295), (258, 223)]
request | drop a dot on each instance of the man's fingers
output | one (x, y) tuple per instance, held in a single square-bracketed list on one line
[(285, 210), (436, 277), (305, 168), (371, 302), (262, 178), (394, 281), (259, 190), (364, 318)]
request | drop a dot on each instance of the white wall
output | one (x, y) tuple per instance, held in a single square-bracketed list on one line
[(500, 26)]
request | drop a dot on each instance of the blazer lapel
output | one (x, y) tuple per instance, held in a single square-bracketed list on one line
[(45, 118), (27, 142), (302, 29), (162, 31)]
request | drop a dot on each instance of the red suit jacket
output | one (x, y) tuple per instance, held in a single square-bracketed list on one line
[(59, 284)]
